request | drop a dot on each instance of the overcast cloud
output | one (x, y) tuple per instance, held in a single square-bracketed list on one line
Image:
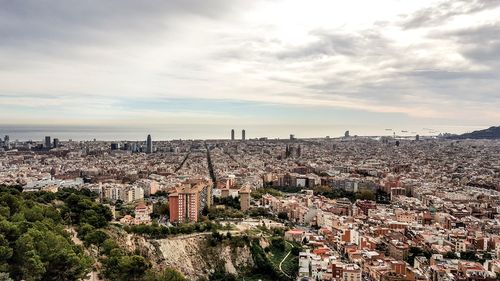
[(431, 62)]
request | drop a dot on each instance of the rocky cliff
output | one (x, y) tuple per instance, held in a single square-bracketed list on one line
[(191, 254)]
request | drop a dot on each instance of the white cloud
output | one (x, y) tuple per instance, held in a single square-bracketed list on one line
[(397, 56)]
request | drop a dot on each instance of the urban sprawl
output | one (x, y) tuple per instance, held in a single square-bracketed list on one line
[(378, 208)]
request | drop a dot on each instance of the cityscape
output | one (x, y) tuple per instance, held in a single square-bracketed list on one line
[(263, 140), (343, 208)]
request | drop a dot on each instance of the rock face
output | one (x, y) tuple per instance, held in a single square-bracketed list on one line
[(192, 255)]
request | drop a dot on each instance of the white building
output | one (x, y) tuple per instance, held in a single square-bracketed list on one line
[(134, 194)]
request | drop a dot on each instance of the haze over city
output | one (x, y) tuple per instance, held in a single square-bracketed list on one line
[(196, 69)]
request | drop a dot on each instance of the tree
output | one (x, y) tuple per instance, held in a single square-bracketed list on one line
[(30, 264), (5, 277), (278, 244), (469, 255), (365, 194), (108, 245), (124, 267), (168, 274), (96, 237), (415, 252), (5, 253), (160, 209), (450, 255), (283, 215), (33, 242)]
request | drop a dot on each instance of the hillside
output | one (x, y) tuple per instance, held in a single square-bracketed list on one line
[(38, 240), (490, 133), (191, 254), (199, 257)]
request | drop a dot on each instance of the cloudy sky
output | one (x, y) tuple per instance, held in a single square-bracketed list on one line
[(200, 68)]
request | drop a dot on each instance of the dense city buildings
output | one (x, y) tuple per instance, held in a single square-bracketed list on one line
[(362, 208)]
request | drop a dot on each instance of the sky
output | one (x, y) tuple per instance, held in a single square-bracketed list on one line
[(197, 69)]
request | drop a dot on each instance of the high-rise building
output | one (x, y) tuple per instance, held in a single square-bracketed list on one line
[(292, 136), (417, 137), (149, 145), (187, 202), (115, 146), (232, 134), (6, 142), (346, 134), (242, 134), (56, 142), (115, 193), (244, 198), (48, 143), (134, 194)]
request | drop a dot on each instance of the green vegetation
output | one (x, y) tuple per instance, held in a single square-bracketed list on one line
[(119, 264), (263, 263), (124, 267), (156, 231), (160, 209), (283, 216), (224, 213), (469, 256), (259, 212), (229, 201), (167, 274), (33, 242), (382, 197), (279, 249), (334, 193), (258, 193), (289, 189), (234, 241), (450, 255), (415, 252)]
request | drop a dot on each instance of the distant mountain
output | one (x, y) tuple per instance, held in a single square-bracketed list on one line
[(490, 133)]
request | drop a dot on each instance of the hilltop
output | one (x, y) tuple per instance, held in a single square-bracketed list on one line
[(490, 133)]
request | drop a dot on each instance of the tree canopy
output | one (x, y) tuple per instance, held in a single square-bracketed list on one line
[(33, 242)]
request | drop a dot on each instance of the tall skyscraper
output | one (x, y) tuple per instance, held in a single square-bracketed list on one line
[(242, 134), (6, 142), (149, 145), (346, 134), (292, 136), (48, 143), (232, 134)]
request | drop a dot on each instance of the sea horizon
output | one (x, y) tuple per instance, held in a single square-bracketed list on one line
[(215, 132)]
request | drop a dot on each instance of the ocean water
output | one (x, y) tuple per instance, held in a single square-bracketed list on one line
[(213, 131)]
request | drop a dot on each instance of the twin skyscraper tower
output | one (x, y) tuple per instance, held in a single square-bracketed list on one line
[(242, 134)]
